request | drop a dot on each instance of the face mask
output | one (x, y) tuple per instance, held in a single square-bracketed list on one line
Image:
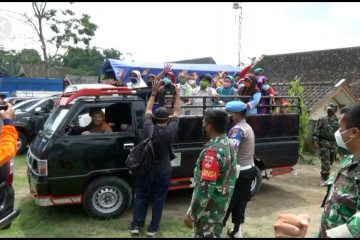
[(339, 140), (204, 84), (182, 81), (133, 80), (166, 81), (266, 87), (241, 85), (226, 85), (191, 82)]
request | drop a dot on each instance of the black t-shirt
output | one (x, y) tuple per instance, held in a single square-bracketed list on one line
[(163, 136)]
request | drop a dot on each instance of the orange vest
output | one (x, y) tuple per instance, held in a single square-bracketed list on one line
[(8, 143)]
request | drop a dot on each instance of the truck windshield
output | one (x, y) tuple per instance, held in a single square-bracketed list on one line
[(55, 119)]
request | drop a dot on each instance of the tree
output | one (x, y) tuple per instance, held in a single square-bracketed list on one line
[(9, 62), (29, 56), (298, 90), (112, 53), (87, 61), (65, 29)]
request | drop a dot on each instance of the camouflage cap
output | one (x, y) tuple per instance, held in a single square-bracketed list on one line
[(332, 106)]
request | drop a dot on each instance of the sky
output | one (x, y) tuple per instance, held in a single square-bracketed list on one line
[(163, 32)]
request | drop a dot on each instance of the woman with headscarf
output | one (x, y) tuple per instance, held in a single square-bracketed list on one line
[(250, 89), (136, 80), (227, 89), (263, 85)]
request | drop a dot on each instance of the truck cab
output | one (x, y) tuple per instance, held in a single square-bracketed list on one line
[(65, 167)]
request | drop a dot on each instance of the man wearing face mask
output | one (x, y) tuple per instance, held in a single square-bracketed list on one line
[(323, 139), (243, 137), (203, 90), (214, 176), (155, 185), (340, 217)]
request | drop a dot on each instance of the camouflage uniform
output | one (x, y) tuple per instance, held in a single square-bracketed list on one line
[(341, 215), (215, 176), (324, 137)]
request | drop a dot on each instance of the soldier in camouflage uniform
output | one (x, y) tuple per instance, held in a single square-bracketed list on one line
[(340, 218), (323, 138), (215, 176)]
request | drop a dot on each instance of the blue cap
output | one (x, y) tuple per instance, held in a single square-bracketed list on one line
[(235, 106)]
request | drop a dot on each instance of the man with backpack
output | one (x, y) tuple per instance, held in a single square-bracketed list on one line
[(154, 186)]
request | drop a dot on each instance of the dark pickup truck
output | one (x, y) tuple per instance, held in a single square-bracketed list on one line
[(67, 168)]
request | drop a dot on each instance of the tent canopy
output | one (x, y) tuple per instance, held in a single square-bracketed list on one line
[(114, 66)]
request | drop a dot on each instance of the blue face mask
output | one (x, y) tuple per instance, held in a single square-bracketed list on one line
[(133, 80), (241, 85), (166, 81), (266, 87)]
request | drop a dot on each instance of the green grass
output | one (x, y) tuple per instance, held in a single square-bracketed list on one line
[(71, 221)]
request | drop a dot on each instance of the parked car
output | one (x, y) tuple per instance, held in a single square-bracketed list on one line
[(20, 106), (7, 195), (28, 121)]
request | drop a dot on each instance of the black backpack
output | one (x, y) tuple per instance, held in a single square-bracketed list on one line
[(141, 158)]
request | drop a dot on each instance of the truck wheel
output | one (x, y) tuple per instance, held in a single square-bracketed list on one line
[(107, 197), (256, 183), (21, 143)]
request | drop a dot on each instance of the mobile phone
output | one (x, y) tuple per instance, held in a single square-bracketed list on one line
[(3, 107)]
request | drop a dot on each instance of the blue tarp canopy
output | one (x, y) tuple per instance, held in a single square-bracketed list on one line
[(113, 65)]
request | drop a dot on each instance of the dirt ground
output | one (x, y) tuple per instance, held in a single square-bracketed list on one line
[(292, 193)]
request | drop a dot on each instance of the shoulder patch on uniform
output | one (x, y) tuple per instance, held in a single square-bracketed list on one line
[(209, 166)]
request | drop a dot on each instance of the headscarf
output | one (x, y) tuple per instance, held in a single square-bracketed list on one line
[(258, 70), (250, 90), (140, 83), (227, 91)]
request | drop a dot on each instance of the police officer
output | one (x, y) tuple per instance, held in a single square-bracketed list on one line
[(214, 175), (323, 138), (242, 136)]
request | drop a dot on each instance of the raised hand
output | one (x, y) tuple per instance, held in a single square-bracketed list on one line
[(167, 68), (121, 73), (156, 86), (145, 72)]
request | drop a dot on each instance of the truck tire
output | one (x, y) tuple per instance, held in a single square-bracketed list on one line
[(21, 143), (257, 182), (107, 197)]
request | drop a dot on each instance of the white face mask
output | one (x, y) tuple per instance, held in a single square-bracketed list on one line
[(191, 82), (339, 140)]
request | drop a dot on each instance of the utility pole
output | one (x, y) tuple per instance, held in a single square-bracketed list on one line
[(238, 19)]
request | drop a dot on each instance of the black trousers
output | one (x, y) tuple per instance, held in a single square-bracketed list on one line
[(241, 196)]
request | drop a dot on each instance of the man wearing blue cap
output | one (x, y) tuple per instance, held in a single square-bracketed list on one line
[(243, 137)]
